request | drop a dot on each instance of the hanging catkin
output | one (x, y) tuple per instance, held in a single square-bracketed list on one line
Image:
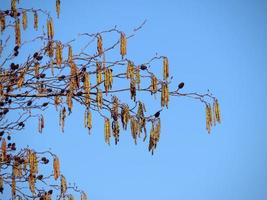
[(62, 116), (63, 186), (216, 112), (56, 167), (98, 73), (165, 68), (108, 79), (50, 29), (17, 32), (130, 70), (2, 22), (154, 84), (35, 21), (99, 44), (24, 19), (50, 48), (99, 98), (125, 116), (13, 187), (3, 148), (58, 7), (164, 94), (70, 56), (83, 196), (88, 119), (208, 118), (87, 87), (107, 131), (59, 53), (31, 181), (123, 44), (40, 123)]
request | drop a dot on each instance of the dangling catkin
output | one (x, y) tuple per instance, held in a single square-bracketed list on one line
[(69, 101), (31, 180), (70, 56), (58, 7), (98, 73), (137, 77), (99, 98), (3, 148), (216, 110), (24, 19), (87, 87), (107, 131), (50, 48), (50, 29), (130, 70), (56, 167), (154, 84), (33, 163), (164, 94), (59, 53), (133, 89), (40, 123), (88, 119), (36, 69), (165, 68), (63, 186), (99, 44), (35, 21), (123, 44), (2, 22), (17, 32), (108, 79), (208, 118), (13, 187), (62, 117), (125, 116)]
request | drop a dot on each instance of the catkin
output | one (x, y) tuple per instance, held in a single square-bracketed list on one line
[(33, 163), (13, 187), (87, 88), (50, 29), (154, 84), (133, 89), (107, 131), (1, 183), (35, 21), (208, 118), (99, 98), (130, 70), (31, 181), (58, 7), (123, 44), (70, 56), (164, 94), (165, 68), (154, 136), (98, 73), (56, 167), (24, 19), (3, 148), (69, 101), (59, 48), (137, 77), (17, 32), (40, 123), (62, 116), (99, 44), (108, 79), (2, 22), (36, 69), (83, 196), (125, 116), (63, 185), (88, 119), (216, 110)]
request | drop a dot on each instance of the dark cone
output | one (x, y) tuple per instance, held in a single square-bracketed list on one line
[(181, 85)]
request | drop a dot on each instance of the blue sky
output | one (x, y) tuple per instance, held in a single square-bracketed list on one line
[(216, 45)]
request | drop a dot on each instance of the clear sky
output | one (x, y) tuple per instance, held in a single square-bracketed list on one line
[(211, 44)]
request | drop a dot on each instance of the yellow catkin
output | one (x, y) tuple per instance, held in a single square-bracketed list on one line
[(24, 20), (57, 100), (98, 73), (74, 77), (48, 196), (50, 29), (208, 118), (21, 78), (133, 89), (88, 119), (13, 187), (108, 79), (107, 131), (164, 94), (99, 44), (135, 130), (87, 88), (70, 56), (165, 68), (123, 44), (130, 70), (36, 69), (83, 196), (56, 167), (31, 181), (2, 22), (125, 116), (154, 136), (58, 7), (17, 32), (33, 163), (3, 148), (154, 84), (35, 20), (63, 186), (50, 48), (217, 112), (14, 7), (59, 48), (41, 123), (99, 98)]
